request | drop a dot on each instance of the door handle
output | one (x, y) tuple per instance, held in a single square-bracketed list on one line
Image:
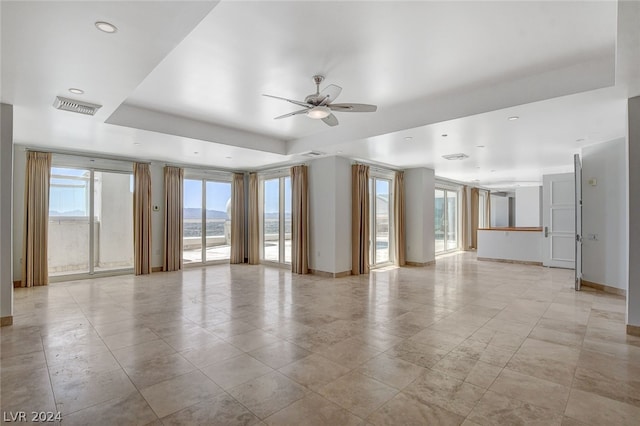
[(546, 231)]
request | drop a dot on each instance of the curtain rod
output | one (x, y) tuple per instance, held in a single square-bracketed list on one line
[(84, 154)]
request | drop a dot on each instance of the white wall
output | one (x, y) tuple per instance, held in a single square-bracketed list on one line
[(322, 206), (6, 161), (19, 170), (419, 190), (529, 206), (499, 211), (157, 217), (343, 215), (633, 194), (330, 218), (604, 214)]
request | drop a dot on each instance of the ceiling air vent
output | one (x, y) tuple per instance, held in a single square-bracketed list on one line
[(459, 156), (67, 104), (313, 154)]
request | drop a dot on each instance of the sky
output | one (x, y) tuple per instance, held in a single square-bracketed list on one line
[(218, 193)]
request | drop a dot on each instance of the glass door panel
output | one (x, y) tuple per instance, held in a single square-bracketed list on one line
[(452, 220), (113, 221), (446, 220), (381, 224), (439, 220), (192, 222), (271, 220), (69, 232), (218, 221), (287, 220)]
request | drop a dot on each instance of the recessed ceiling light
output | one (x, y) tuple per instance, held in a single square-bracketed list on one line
[(228, 158), (195, 152), (458, 156), (339, 152), (444, 135), (513, 118), (106, 27), (408, 138), (479, 146), (136, 143), (580, 140), (76, 91), (492, 171), (477, 167)]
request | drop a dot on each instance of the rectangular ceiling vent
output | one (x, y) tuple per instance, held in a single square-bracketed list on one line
[(67, 104), (313, 154), (459, 156)]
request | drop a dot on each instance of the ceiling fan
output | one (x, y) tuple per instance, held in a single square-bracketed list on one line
[(319, 105)]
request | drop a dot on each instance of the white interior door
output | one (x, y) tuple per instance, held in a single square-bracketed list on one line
[(578, 209), (559, 220)]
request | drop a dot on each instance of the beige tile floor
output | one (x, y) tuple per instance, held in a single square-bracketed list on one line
[(462, 342)]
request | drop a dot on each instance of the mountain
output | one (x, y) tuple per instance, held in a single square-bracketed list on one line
[(193, 213)]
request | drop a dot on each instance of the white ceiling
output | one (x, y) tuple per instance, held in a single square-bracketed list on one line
[(182, 81)]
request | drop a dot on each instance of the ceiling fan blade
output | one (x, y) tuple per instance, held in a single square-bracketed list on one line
[(302, 111), (299, 103), (353, 107), (329, 94), (331, 120)]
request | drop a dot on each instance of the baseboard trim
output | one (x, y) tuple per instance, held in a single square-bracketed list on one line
[(519, 262), (157, 268), (6, 321), (633, 330), (605, 288), (420, 264), (326, 274), (17, 284)]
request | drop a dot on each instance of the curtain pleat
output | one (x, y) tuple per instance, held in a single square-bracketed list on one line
[(142, 218), (487, 210), (475, 216), (254, 221), (464, 219), (299, 220), (36, 219), (237, 218), (359, 219), (399, 219), (173, 217)]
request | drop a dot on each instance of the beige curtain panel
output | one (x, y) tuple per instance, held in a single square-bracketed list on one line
[(142, 219), (173, 217), (254, 221), (299, 220), (237, 218), (475, 216), (464, 219), (359, 219), (399, 219), (36, 219)]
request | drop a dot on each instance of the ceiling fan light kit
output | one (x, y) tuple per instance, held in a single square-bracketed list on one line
[(319, 112), (319, 105)]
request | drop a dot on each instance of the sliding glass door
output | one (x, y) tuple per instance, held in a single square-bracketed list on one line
[(276, 220), (206, 221), (380, 214), (446, 220), (90, 221)]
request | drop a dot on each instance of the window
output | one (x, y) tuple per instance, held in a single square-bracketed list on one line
[(380, 214), (206, 231), (90, 221), (276, 219), (446, 220)]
